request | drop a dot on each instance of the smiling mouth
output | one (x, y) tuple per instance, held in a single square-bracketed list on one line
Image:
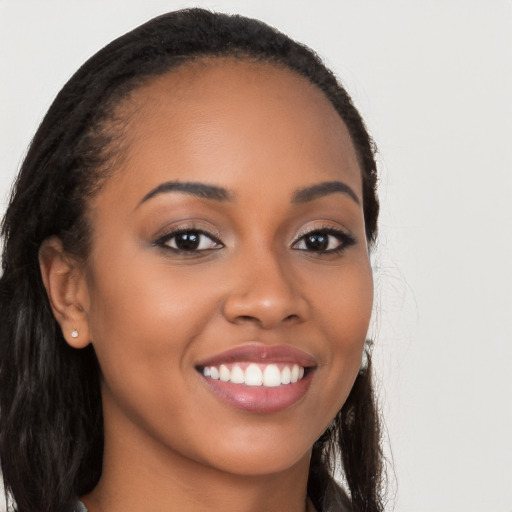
[(257, 378), (252, 374)]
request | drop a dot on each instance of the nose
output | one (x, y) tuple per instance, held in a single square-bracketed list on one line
[(265, 292)]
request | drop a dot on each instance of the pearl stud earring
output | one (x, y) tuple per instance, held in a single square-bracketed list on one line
[(74, 334)]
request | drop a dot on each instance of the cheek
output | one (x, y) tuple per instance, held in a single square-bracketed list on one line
[(347, 313), (144, 323), (144, 316), (344, 309), (342, 299)]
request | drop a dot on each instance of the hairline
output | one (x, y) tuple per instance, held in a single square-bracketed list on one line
[(125, 109)]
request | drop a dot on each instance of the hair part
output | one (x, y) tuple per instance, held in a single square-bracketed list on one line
[(51, 426)]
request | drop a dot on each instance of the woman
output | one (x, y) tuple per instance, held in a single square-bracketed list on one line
[(186, 285)]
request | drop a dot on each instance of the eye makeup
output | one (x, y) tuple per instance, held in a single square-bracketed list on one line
[(189, 240), (324, 240)]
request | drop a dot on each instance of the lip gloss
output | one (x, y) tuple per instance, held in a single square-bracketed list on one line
[(260, 399)]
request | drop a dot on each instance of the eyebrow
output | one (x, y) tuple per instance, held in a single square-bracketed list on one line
[(307, 194), (216, 193), (201, 190)]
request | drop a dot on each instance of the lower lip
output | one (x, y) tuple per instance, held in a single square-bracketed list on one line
[(260, 399)]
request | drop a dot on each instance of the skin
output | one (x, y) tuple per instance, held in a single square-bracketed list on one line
[(262, 133)]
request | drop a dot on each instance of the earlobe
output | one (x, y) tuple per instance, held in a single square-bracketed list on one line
[(66, 287)]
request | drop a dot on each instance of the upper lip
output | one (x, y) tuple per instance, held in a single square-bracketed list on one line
[(259, 353)]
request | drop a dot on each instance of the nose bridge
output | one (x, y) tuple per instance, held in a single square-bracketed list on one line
[(264, 289)]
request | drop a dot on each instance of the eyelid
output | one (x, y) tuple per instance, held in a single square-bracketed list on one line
[(161, 240), (345, 237)]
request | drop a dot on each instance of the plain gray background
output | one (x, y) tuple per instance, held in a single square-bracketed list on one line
[(433, 79)]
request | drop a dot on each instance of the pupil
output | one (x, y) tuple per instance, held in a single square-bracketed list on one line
[(317, 242), (187, 241)]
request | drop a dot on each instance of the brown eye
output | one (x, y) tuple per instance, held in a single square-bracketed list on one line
[(324, 241), (189, 240), (316, 242)]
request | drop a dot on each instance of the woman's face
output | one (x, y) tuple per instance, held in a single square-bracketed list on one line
[(230, 240)]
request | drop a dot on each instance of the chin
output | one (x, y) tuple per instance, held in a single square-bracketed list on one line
[(262, 455), (263, 463)]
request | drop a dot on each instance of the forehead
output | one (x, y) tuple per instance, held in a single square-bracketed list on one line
[(228, 120)]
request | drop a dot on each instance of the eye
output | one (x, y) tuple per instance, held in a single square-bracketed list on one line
[(188, 240), (327, 240)]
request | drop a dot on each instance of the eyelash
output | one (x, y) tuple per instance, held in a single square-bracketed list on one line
[(164, 240), (344, 239)]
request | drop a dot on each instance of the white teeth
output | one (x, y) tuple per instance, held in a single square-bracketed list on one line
[(237, 375), (286, 375), (253, 375), (224, 373), (295, 373), (271, 376)]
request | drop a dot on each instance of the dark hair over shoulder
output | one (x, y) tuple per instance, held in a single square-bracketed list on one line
[(51, 426)]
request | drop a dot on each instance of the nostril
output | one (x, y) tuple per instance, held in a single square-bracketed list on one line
[(247, 318)]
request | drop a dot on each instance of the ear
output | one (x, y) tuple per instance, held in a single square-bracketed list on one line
[(65, 282)]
